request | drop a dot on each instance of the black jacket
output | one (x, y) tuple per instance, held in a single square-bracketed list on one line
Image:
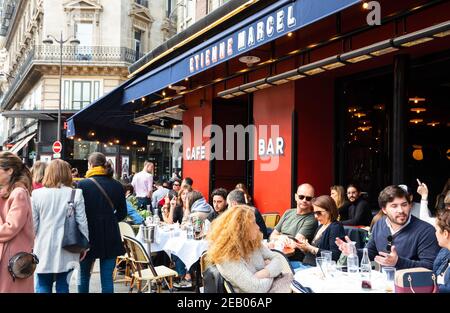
[(359, 213), (104, 233), (327, 242)]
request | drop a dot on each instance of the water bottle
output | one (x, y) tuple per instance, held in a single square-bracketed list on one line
[(366, 270), (156, 217), (352, 259)]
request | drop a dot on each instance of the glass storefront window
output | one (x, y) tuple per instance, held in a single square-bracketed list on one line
[(365, 106), (82, 149)]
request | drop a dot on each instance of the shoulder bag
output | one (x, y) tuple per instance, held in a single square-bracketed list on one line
[(104, 193), (73, 240), (415, 280), (22, 265)]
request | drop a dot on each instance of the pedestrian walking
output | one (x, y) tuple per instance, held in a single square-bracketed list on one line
[(50, 206), (16, 223), (105, 206)]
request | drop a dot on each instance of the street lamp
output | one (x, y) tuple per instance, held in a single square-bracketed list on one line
[(49, 41)]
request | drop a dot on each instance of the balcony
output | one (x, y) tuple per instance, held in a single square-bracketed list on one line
[(85, 54), (80, 55)]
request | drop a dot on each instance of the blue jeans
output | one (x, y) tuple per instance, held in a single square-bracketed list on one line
[(106, 271), (179, 266), (44, 282), (298, 266), (143, 202)]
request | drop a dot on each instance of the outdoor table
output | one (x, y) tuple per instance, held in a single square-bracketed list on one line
[(174, 241), (340, 282)]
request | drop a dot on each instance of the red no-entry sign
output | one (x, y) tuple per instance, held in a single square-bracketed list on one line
[(57, 147)]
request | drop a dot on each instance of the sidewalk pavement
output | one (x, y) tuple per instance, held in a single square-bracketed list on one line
[(95, 284)]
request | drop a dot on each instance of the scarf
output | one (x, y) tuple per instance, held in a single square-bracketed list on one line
[(97, 170)]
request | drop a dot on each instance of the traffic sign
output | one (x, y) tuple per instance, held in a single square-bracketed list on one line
[(57, 147)]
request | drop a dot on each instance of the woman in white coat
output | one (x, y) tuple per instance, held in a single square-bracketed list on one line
[(50, 205)]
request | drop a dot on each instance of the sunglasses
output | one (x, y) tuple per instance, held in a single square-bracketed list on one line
[(390, 240), (301, 197), (319, 213), (176, 184)]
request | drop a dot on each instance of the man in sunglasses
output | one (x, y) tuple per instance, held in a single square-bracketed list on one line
[(300, 220), (398, 238), (358, 212)]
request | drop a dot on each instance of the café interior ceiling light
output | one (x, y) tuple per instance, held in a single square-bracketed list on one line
[(359, 114), (250, 60), (416, 120), (433, 123), (364, 128), (416, 100), (379, 107), (417, 153), (418, 110)]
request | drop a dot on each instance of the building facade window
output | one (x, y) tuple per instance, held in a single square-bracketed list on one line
[(137, 42), (84, 33), (214, 4), (80, 93)]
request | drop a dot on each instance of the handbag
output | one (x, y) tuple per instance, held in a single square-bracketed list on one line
[(22, 265), (415, 280), (73, 240), (282, 283)]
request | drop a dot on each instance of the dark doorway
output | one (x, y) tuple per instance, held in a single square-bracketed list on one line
[(364, 106), (231, 169), (428, 138)]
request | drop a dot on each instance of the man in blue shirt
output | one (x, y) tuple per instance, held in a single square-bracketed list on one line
[(399, 239)]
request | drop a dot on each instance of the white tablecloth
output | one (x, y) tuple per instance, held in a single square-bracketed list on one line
[(175, 242), (341, 282)]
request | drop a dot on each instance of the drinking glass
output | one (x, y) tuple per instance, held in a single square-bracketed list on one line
[(320, 263), (389, 277), (327, 255), (331, 269)]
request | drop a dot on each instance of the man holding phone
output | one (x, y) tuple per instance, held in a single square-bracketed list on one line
[(298, 222), (398, 238)]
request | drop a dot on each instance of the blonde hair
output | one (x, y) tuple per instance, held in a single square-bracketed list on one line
[(38, 171), (340, 195), (230, 238), (21, 175), (57, 174)]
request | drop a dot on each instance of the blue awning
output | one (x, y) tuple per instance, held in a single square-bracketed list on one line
[(108, 120), (275, 21)]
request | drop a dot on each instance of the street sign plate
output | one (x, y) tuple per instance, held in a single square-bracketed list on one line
[(57, 147), (56, 155)]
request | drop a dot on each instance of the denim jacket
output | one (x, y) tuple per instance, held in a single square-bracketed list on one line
[(440, 266)]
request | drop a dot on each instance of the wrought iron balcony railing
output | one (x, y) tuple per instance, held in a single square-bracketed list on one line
[(86, 54), (73, 55)]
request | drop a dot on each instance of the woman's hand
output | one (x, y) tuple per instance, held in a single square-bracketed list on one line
[(264, 273), (304, 246)]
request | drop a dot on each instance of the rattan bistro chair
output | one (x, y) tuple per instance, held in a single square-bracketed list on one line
[(271, 219), (125, 230), (143, 269)]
